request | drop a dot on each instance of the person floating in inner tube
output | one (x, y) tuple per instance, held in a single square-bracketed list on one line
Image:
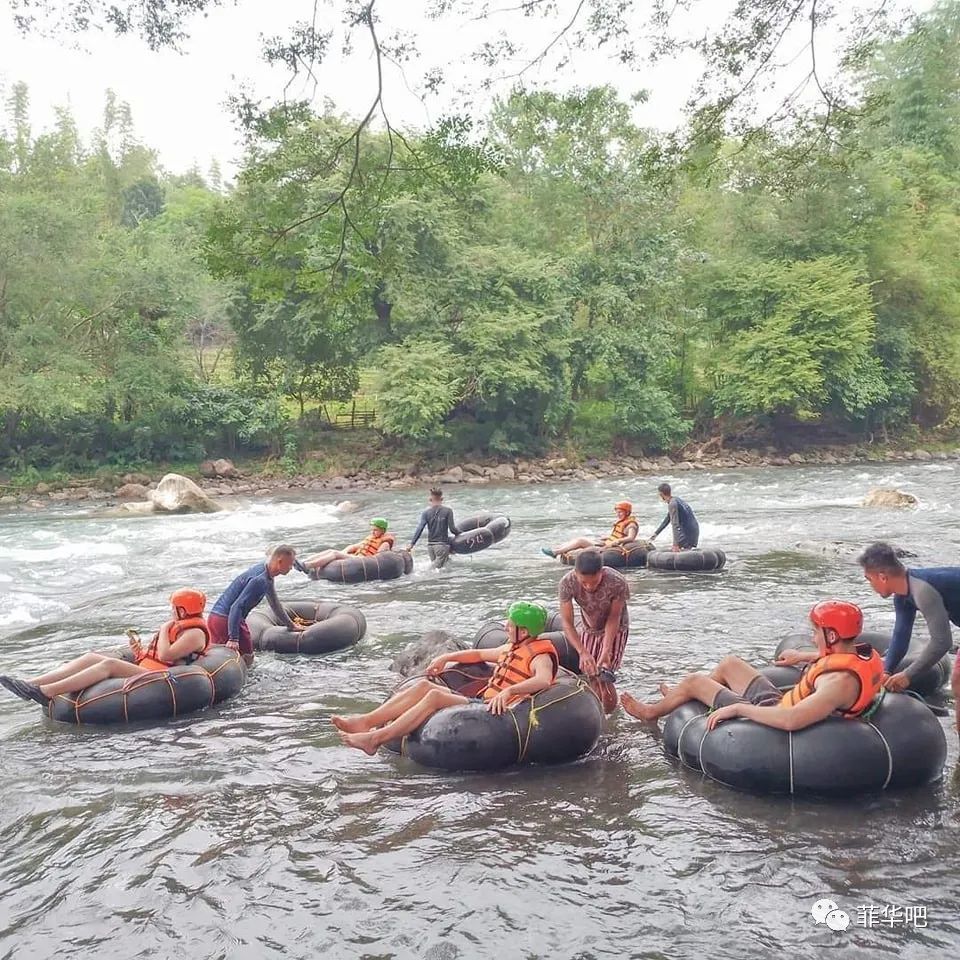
[(377, 541), (681, 518), (524, 666), (440, 526), (601, 594), (180, 640), (624, 531), (934, 592), (228, 618), (842, 677)]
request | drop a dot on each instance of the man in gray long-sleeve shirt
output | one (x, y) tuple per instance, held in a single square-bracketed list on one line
[(682, 520), (934, 592), (440, 526)]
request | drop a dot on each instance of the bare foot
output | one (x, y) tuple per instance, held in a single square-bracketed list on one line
[(361, 741), (664, 689), (352, 724), (636, 709)]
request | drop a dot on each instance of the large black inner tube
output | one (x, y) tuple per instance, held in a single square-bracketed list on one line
[(900, 745), (629, 555), (689, 561), (556, 725), (333, 626), (381, 566), (480, 532), (925, 683), (158, 695)]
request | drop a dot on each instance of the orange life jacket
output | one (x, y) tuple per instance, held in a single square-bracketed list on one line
[(514, 666), (620, 528), (372, 544), (151, 659), (865, 665)]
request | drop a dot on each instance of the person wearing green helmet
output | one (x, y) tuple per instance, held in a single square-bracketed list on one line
[(523, 666), (377, 541)]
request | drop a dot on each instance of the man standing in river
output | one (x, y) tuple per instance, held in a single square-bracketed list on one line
[(934, 592), (440, 526), (228, 618), (601, 594), (681, 518)]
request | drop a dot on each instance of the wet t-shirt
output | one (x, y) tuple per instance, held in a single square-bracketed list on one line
[(595, 606)]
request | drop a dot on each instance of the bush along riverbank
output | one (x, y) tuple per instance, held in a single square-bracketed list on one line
[(222, 478)]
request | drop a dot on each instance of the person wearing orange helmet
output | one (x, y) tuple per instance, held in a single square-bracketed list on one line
[(842, 677), (180, 640), (624, 531)]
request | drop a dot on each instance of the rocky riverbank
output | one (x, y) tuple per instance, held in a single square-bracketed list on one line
[(222, 478)]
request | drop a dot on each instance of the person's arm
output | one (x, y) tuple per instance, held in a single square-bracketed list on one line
[(277, 607), (421, 524), (588, 665), (542, 668), (386, 546), (452, 524), (488, 655), (662, 527), (610, 630), (793, 658), (673, 512), (352, 549), (832, 693), (902, 631), (930, 603), (191, 641)]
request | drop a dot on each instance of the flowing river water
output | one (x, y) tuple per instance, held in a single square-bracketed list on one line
[(250, 832)]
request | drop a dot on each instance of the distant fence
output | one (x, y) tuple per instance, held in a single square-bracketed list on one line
[(353, 418)]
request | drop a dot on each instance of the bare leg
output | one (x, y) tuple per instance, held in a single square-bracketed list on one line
[(578, 543), (389, 710), (731, 673), (320, 560), (69, 669), (694, 686), (434, 701), (103, 670), (734, 673)]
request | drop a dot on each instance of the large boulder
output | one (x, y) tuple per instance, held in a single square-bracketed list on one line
[(225, 469), (453, 475), (883, 497), (208, 470), (415, 657), (132, 491), (504, 471), (842, 551), (346, 506), (177, 494)]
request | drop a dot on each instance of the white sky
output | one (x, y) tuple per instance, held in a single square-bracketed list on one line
[(178, 99)]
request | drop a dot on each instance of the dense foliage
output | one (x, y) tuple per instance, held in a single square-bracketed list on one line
[(553, 275)]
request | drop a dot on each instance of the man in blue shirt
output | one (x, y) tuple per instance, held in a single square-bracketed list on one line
[(934, 592), (681, 518), (227, 621)]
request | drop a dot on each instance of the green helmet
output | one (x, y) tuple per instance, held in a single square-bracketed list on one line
[(531, 616), (379, 522)]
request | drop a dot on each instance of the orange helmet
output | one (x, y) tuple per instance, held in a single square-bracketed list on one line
[(840, 615), (624, 505), (188, 603)]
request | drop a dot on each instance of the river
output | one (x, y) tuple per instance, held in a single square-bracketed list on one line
[(250, 832)]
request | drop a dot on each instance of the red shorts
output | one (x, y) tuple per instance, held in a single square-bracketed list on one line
[(218, 624), (592, 641)]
